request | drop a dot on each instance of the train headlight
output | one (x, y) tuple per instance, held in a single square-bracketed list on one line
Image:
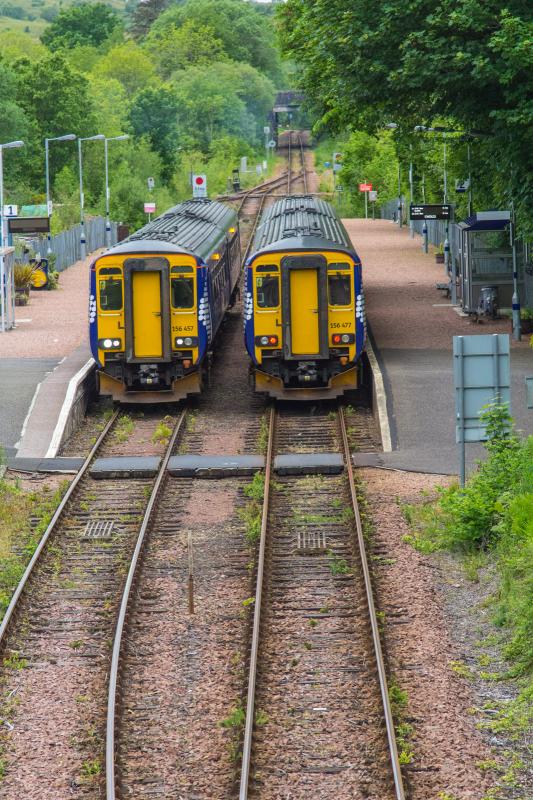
[(267, 341), (343, 338), (109, 344), (187, 341)]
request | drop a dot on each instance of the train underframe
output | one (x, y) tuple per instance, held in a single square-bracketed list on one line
[(305, 379), (151, 382)]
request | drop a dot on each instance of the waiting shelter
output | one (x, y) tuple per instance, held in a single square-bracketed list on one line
[(486, 259)]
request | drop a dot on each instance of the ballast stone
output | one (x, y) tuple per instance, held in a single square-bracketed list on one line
[(309, 464), (214, 466), (125, 467)]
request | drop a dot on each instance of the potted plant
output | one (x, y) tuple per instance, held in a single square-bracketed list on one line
[(439, 255), (526, 320), (22, 276)]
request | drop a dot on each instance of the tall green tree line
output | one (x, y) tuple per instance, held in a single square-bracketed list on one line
[(190, 83), (463, 64)]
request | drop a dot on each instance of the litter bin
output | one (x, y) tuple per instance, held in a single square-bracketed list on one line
[(488, 301)]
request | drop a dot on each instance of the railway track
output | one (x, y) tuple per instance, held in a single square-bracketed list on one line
[(55, 634), (318, 718)]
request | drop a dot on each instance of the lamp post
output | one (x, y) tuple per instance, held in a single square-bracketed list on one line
[(83, 247), (68, 137), (5, 292), (107, 219)]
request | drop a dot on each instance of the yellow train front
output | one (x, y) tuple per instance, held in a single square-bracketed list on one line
[(304, 317), (157, 300)]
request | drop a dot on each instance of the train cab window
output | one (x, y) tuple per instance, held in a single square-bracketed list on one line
[(110, 294), (182, 292), (339, 290), (267, 290)]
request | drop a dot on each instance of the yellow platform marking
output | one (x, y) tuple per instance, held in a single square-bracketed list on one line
[(304, 312), (147, 335)]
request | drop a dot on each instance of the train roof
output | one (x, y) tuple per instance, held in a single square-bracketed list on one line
[(301, 222), (195, 227)]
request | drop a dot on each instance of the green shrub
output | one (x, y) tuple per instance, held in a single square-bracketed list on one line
[(492, 513)]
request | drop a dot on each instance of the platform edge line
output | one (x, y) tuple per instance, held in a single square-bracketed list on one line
[(381, 397), (68, 402), (27, 417)]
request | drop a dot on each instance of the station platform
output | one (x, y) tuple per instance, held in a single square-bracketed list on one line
[(411, 328), (39, 359)]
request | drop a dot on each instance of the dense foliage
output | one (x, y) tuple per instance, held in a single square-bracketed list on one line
[(466, 65), (187, 84), (493, 514)]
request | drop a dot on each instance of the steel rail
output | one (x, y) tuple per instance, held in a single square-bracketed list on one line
[(254, 228), (254, 649), (11, 609), (121, 621), (260, 189), (389, 720)]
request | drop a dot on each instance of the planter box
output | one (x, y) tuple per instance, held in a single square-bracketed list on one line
[(439, 258)]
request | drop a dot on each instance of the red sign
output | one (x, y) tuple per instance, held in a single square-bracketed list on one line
[(365, 187)]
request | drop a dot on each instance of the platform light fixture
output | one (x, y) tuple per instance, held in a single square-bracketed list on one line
[(67, 137)]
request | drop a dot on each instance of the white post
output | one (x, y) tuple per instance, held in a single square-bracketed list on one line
[(107, 220), (83, 247)]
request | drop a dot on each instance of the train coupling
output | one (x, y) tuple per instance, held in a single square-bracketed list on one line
[(306, 371), (148, 375)]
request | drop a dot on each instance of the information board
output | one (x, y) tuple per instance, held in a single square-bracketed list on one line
[(435, 211)]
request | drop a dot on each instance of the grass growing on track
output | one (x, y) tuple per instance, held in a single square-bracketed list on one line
[(24, 516)]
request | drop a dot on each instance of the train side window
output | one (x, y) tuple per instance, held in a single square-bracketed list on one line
[(182, 292), (110, 294), (339, 290), (267, 290)]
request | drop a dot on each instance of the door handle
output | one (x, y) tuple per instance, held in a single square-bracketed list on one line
[(156, 313)]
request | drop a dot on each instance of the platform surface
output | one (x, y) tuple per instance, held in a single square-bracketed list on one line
[(412, 329), (48, 346)]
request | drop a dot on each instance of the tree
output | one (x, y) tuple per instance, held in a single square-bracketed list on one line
[(86, 23), (174, 48), (222, 98), (145, 14), (154, 114), (55, 99), (129, 64), (464, 63), (246, 35)]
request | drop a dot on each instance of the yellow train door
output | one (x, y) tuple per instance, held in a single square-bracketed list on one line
[(147, 333), (305, 332)]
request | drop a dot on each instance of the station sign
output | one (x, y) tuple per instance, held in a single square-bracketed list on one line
[(28, 224), (11, 211), (365, 187), (438, 211), (199, 186), (149, 208)]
